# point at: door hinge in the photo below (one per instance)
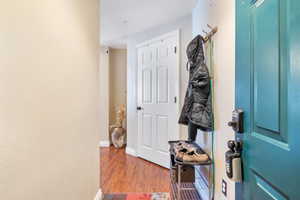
(175, 99)
(175, 49)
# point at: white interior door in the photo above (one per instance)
(158, 98)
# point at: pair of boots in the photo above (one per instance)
(188, 152)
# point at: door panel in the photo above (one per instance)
(147, 85)
(264, 68)
(147, 130)
(157, 72)
(265, 39)
(162, 133)
(266, 191)
(162, 84)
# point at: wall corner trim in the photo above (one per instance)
(99, 195)
(131, 151)
(104, 143)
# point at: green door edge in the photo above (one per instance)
(242, 73)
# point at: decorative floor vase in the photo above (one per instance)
(118, 137)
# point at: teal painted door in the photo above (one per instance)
(268, 89)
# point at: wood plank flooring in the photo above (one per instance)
(122, 173)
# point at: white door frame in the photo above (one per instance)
(177, 34)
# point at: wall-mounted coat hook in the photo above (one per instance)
(210, 34)
(209, 26)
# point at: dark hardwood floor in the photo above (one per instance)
(122, 173)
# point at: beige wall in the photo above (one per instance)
(104, 93)
(221, 14)
(118, 81)
(49, 124)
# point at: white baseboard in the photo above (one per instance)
(131, 151)
(98, 195)
(104, 144)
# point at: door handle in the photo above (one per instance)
(237, 121)
(139, 108)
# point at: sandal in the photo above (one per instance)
(180, 154)
(193, 156)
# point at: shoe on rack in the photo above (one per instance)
(183, 147)
(180, 153)
(193, 156)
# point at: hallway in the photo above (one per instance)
(122, 173)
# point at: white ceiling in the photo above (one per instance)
(121, 18)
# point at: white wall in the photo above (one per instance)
(118, 81)
(185, 25)
(221, 14)
(49, 108)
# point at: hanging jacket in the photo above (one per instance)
(197, 108)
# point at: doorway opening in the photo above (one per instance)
(142, 59)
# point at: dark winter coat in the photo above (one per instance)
(197, 108)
